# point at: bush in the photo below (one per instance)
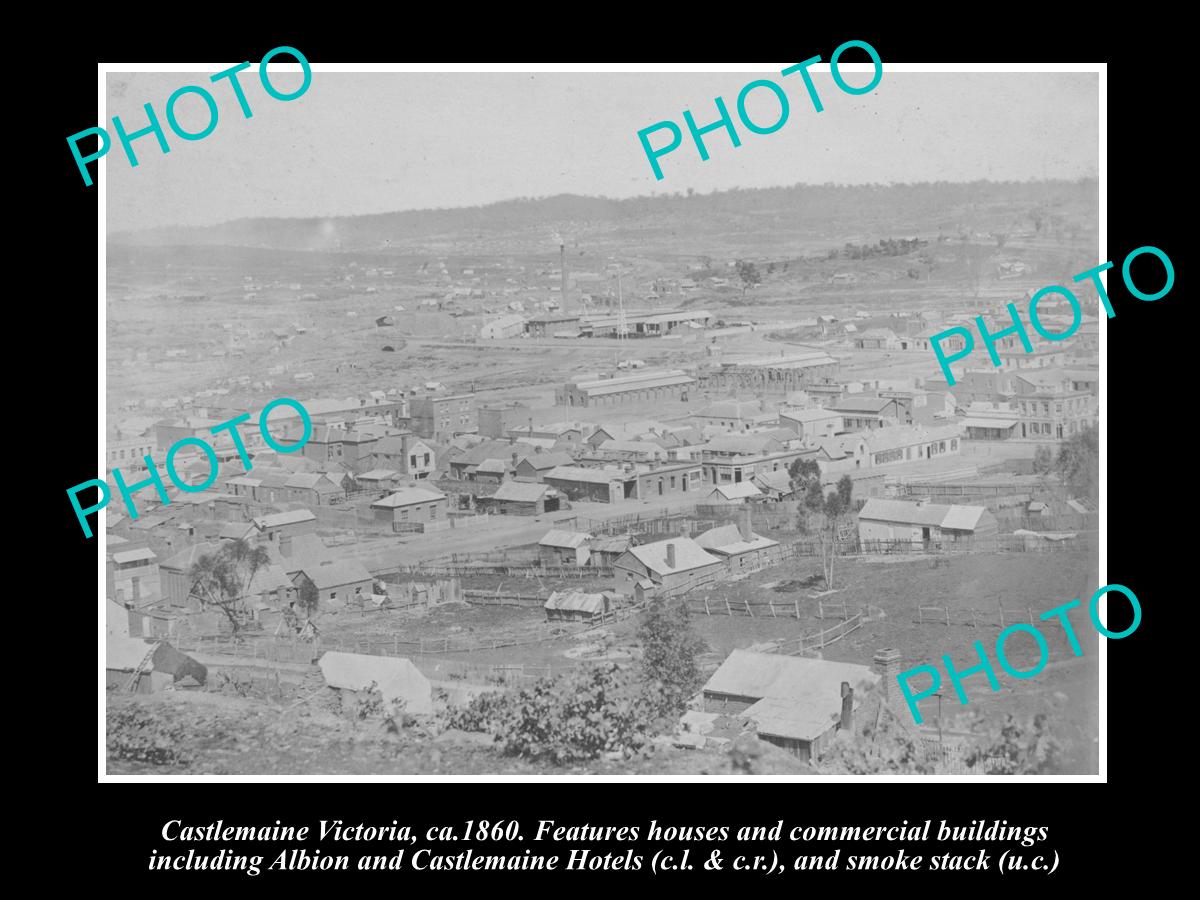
(572, 718)
(1019, 748)
(134, 734)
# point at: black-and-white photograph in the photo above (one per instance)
(602, 423)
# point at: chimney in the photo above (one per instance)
(847, 723)
(670, 556)
(744, 526)
(285, 545)
(887, 664)
(514, 458)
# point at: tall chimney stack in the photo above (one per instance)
(887, 664)
(847, 723)
(562, 265)
(670, 556)
(744, 526)
(285, 545)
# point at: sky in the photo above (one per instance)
(381, 142)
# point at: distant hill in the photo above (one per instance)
(721, 222)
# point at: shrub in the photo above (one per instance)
(136, 735)
(575, 717)
(1015, 747)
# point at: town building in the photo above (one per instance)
(411, 505)
(810, 424)
(613, 391)
(904, 443)
(442, 416)
(787, 372)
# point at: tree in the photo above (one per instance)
(308, 598)
(1043, 460)
(1078, 463)
(669, 650)
(749, 274)
(221, 579)
(832, 507)
(803, 471)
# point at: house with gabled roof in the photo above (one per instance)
(337, 583)
(676, 564)
(794, 702)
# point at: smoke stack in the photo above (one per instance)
(670, 556)
(744, 526)
(285, 545)
(562, 261)
(887, 664)
(847, 722)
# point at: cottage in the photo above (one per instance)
(922, 523)
(410, 505)
(336, 583)
(135, 575)
(380, 480)
(775, 485)
(399, 682)
(796, 703)
(314, 489)
(518, 498)
(743, 550)
(607, 549)
(534, 466)
(876, 339)
(564, 548)
(676, 564)
(578, 606)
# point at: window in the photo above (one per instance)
(404, 515)
(672, 482)
(426, 459)
(954, 443)
(432, 511)
(942, 447)
(412, 460)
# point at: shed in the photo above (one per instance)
(523, 499)
(736, 492)
(564, 548)
(398, 680)
(578, 606)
